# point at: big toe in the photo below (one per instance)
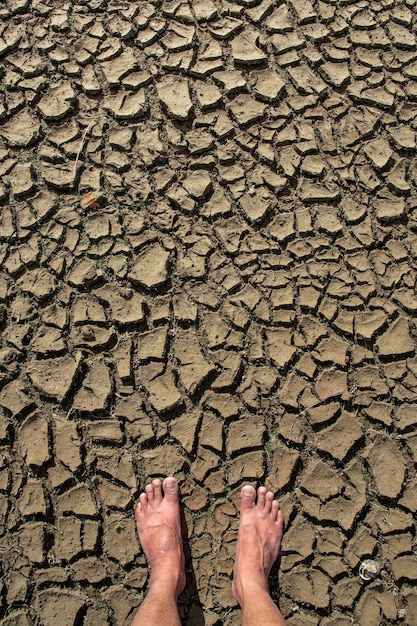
(247, 497)
(170, 486)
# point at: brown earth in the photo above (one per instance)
(234, 301)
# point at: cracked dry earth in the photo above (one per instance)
(235, 301)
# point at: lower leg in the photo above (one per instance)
(259, 540)
(157, 609)
(159, 529)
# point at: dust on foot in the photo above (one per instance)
(159, 529)
(259, 540)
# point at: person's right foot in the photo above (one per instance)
(259, 540)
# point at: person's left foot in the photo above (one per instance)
(159, 528)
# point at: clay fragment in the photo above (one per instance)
(22, 130)
(33, 440)
(194, 369)
(58, 604)
(96, 388)
(244, 48)
(396, 340)
(54, 377)
(151, 267)
(387, 466)
(58, 101)
(174, 94)
(163, 393)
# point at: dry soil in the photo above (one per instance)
(208, 249)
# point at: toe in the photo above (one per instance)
(141, 505)
(157, 489)
(138, 510)
(269, 497)
(170, 487)
(274, 510)
(150, 493)
(247, 497)
(261, 498)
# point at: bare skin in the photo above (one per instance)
(159, 528)
(258, 544)
(259, 539)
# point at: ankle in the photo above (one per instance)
(168, 580)
(249, 588)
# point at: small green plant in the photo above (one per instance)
(119, 527)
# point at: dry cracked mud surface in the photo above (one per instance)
(208, 249)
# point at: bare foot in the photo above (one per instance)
(159, 528)
(258, 543)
